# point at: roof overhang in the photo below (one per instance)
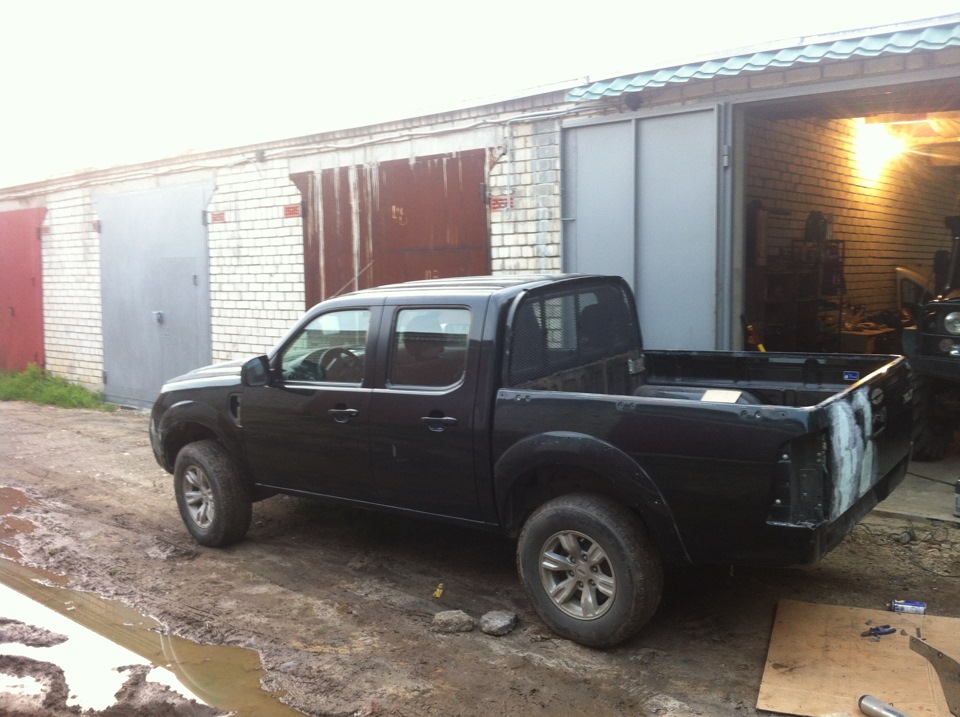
(900, 41)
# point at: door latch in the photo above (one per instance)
(438, 423)
(158, 317)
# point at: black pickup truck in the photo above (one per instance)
(527, 405)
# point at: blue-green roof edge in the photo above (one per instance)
(935, 37)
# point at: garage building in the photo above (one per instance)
(744, 188)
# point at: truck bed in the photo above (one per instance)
(759, 458)
(774, 379)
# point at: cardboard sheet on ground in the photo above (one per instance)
(818, 663)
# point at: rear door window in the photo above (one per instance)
(429, 347)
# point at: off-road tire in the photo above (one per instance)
(214, 502)
(932, 430)
(615, 551)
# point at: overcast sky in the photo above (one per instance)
(98, 83)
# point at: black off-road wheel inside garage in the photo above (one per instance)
(933, 428)
(589, 569)
(214, 503)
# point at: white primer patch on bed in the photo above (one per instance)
(852, 453)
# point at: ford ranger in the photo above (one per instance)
(528, 405)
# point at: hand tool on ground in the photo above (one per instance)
(878, 630)
(875, 707)
(947, 669)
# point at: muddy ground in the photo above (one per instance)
(339, 602)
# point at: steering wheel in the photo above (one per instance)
(340, 364)
(309, 367)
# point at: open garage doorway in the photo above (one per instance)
(837, 190)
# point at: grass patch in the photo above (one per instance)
(39, 386)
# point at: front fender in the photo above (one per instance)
(186, 421)
(579, 450)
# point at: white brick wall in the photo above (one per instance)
(256, 259)
(525, 200)
(73, 331)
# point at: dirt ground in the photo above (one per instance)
(338, 602)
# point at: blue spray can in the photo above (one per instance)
(912, 606)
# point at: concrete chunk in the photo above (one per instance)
(498, 622)
(452, 621)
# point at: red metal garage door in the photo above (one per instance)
(395, 221)
(21, 289)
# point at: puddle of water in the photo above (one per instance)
(12, 500)
(224, 677)
(92, 665)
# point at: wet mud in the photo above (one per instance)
(336, 604)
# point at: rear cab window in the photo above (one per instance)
(575, 327)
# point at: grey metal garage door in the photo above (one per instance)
(156, 290)
(641, 199)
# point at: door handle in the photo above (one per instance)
(234, 408)
(438, 423)
(342, 415)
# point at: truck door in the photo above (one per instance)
(307, 430)
(422, 410)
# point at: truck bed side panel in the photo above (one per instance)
(713, 464)
(746, 483)
(870, 432)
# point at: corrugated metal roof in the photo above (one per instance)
(902, 41)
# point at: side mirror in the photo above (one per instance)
(255, 372)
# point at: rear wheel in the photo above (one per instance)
(214, 503)
(589, 569)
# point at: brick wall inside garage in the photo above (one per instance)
(256, 259)
(73, 331)
(801, 165)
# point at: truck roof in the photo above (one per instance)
(471, 284)
(501, 289)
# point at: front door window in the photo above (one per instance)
(330, 349)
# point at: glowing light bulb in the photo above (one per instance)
(876, 146)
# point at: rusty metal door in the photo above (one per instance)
(306, 182)
(21, 289)
(156, 288)
(400, 220)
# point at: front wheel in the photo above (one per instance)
(589, 569)
(214, 503)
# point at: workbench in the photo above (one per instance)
(864, 341)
